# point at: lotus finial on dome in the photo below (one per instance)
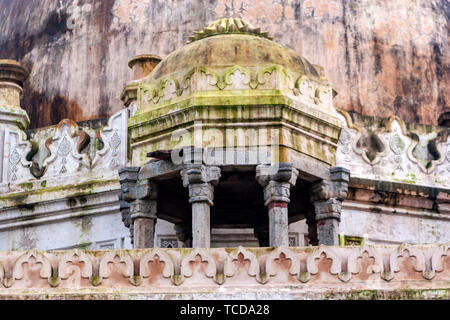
(229, 26)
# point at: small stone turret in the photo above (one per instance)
(12, 76)
(141, 66)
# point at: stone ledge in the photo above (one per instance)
(248, 294)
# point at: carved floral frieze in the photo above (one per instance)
(204, 79)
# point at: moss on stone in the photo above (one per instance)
(81, 189)
(26, 185)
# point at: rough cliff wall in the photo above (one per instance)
(384, 57)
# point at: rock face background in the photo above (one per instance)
(384, 57)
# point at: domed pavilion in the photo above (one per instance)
(233, 130)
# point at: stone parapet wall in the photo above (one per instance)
(404, 271)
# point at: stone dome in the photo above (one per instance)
(232, 42)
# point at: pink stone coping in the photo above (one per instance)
(180, 271)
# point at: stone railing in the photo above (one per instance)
(404, 271)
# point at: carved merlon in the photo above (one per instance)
(63, 153)
(174, 271)
(390, 149)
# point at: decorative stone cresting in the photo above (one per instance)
(229, 26)
(71, 150)
(389, 151)
(193, 270)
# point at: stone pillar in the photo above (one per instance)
(277, 183)
(312, 226)
(142, 195)
(126, 216)
(184, 234)
(200, 180)
(327, 197)
(143, 219)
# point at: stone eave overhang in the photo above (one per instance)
(143, 123)
(399, 187)
(33, 192)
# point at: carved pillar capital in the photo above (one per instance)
(277, 181)
(143, 219)
(200, 180)
(201, 192)
(128, 179)
(327, 197)
(143, 208)
(133, 188)
(336, 187)
(199, 173)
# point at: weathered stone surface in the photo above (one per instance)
(381, 56)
